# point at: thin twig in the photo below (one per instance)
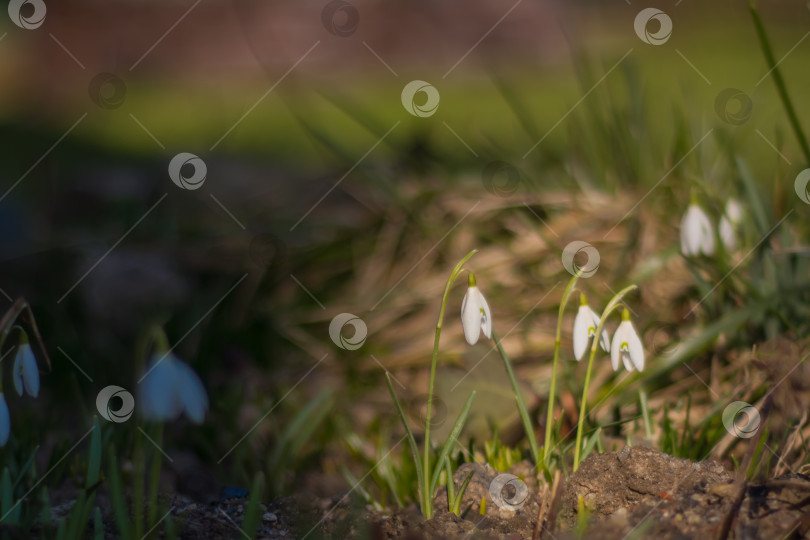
(541, 512)
(741, 483)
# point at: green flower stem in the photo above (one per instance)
(553, 389)
(521, 405)
(139, 466)
(614, 304)
(781, 88)
(427, 496)
(154, 479)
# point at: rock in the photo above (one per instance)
(270, 516)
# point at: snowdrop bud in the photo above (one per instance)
(475, 315)
(585, 325)
(25, 373)
(5, 420)
(697, 234)
(626, 346)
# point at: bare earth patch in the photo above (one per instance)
(637, 492)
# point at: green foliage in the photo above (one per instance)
(253, 512)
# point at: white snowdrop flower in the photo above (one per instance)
(728, 224)
(169, 388)
(25, 373)
(5, 420)
(697, 234)
(627, 346)
(475, 315)
(585, 325)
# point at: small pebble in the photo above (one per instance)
(269, 516)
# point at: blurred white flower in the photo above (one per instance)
(728, 224)
(627, 346)
(585, 325)
(697, 234)
(169, 388)
(5, 421)
(475, 315)
(25, 372)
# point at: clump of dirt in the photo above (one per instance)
(610, 481)
(640, 490)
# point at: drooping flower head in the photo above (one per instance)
(585, 325)
(729, 222)
(697, 234)
(475, 315)
(626, 346)
(25, 372)
(169, 388)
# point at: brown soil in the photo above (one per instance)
(637, 492)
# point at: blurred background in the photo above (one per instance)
(324, 195)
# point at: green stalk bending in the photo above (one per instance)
(521, 405)
(614, 303)
(553, 389)
(427, 495)
(781, 88)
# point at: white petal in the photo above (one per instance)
(636, 350)
(604, 340)
(697, 234)
(734, 211)
(486, 320)
(615, 347)
(471, 315)
(582, 322)
(192, 392)
(5, 421)
(157, 396)
(16, 372)
(727, 234)
(689, 242)
(30, 373)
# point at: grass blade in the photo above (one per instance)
(451, 439)
(411, 440)
(250, 525)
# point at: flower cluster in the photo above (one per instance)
(626, 347)
(697, 232)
